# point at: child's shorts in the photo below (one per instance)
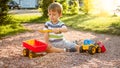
(63, 44)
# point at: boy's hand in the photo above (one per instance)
(56, 30)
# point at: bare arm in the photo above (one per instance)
(46, 37)
(59, 30)
(63, 29)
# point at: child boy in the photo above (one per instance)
(55, 39)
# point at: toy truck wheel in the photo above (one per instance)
(25, 52)
(81, 49)
(31, 54)
(98, 50)
(92, 50)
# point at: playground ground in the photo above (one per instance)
(11, 51)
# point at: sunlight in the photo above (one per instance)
(107, 5)
(104, 7)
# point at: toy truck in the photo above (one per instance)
(33, 48)
(90, 47)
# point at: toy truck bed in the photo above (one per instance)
(35, 45)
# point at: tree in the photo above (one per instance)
(3, 11)
(75, 7)
(86, 6)
(64, 5)
(45, 4)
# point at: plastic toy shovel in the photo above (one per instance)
(45, 31)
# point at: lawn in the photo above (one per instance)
(11, 29)
(108, 24)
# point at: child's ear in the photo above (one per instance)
(60, 14)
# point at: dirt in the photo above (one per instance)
(11, 51)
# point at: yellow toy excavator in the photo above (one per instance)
(90, 46)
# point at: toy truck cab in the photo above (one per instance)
(90, 46)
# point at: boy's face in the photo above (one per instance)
(54, 16)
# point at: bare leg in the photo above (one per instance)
(78, 48)
(52, 49)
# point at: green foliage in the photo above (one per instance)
(64, 5)
(74, 8)
(115, 28)
(29, 18)
(109, 25)
(8, 25)
(85, 8)
(11, 28)
(44, 6)
(3, 11)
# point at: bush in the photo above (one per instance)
(85, 8)
(64, 5)
(74, 7)
(3, 11)
(44, 6)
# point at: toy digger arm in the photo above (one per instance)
(45, 31)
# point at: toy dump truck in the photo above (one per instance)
(33, 48)
(90, 46)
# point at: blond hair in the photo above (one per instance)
(55, 7)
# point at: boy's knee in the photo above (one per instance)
(48, 47)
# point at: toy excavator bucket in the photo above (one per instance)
(45, 31)
(103, 49)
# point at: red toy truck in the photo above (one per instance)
(32, 47)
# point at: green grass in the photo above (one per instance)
(11, 29)
(29, 18)
(14, 26)
(109, 25)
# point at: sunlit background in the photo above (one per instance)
(104, 7)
